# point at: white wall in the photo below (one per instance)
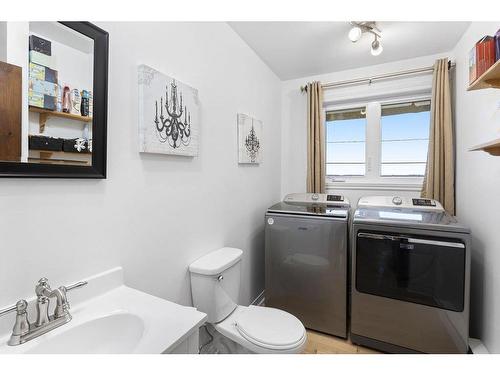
(294, 116)
(154, 214)
(477, 183)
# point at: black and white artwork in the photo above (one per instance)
(168, 114)
(249, 140)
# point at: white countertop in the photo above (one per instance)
(163, 324)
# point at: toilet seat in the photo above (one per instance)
(270, 328)
(264, 330)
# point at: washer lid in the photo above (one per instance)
(333, 211)
(270, 328)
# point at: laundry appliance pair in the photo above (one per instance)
(396, 276)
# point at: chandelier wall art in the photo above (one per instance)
(168, 114)
(249, 139)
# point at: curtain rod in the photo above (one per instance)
(369, 80)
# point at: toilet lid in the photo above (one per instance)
(270, 328)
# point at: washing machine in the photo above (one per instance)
(410, 277)
(306, 260)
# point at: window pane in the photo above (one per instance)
(405, 138)
(404, 151)
(346, 130)
(409, 125)
(403, 169)
(410, 120)
(345, 152)
(345, 137)
(345, 169)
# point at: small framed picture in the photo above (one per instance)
(249, 140)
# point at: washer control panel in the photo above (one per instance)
(308, 198)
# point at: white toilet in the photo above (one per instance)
(215, 285)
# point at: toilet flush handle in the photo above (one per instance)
(220, 278)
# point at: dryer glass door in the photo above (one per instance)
(428, 271)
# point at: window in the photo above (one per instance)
(380, 143)
(345, 142)
(404, 138)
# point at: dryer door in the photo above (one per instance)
(306, 269)
(425, 270)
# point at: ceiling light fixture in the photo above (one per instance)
(355, 34)
(359, 28)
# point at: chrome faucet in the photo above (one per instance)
(24, 331)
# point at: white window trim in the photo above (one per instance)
(372, 180)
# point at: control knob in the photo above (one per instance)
(397, 201)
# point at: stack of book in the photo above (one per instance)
(43, 88)
(483, 55)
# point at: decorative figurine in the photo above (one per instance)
(75, 102)
(65, 99)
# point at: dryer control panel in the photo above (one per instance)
(401, 202)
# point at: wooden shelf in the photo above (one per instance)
(492, 148)
(45, 114)
(488, 80)
(59, 157)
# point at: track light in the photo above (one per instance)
(359, 28)
(376, 47)
(355, 33)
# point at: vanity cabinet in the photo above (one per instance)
(190, 345)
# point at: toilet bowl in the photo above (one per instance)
(264, 330)
(215, 285)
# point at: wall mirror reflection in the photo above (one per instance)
(53, 99)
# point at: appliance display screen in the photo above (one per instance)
(423, 202)
(334, 198)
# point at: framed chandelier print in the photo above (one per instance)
(168, 114)
(249, 140)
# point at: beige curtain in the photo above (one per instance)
(315, 139)
(439, 181)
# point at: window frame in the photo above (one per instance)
(373, 179)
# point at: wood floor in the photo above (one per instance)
(320, 343)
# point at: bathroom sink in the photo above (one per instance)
(110, 317)
(112, 334)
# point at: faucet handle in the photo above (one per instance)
(21, 326)
(20, 307)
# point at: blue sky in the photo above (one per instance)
(393, 128)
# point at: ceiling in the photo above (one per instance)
(300, 49)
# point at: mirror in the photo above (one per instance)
(53, 99)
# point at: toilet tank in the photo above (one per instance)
(215, 283)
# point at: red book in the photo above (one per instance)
(485, 54)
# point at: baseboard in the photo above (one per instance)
(259, 301)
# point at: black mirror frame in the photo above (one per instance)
(99, 119)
